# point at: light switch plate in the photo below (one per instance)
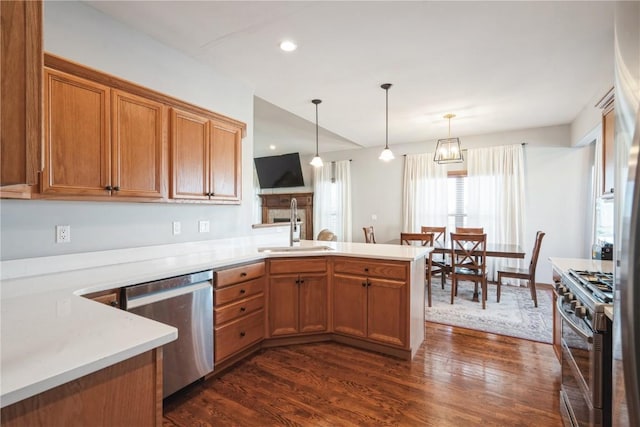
(203, 226)
(176, 227)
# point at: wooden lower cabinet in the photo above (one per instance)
(298, 296)
(128, 393)
(238, 309)
(365, 306)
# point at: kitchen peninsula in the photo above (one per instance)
(70, 337)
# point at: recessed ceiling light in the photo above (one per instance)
(272, 147)
(288, 46)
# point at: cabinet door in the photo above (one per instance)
(189, 156)
(387, 311)
(313, 309)
(350, 305)
(283, 305)
(21, 89)
(226, 162)
(77, 149)
(137, 134)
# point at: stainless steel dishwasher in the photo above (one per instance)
(185, 302)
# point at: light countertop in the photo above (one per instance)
(51, 335)
(563, 264)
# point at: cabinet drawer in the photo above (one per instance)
(239, 334)
(297, 265)
(236, 292)
(372, 268)
(237, 309)
(110, 297)
(231, 276)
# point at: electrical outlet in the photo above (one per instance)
(374, 217)
(203, 226)
(63, 234)
(176, 227)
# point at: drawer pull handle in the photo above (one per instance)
(242, 334)
(243, 274)
(242, 291)
(243, 309)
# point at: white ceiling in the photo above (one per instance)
(498, 66)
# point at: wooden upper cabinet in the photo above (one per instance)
(226, 161)
(77, 150)
(101, 142)
(138, 127)
(20, 103)
(206, 158)
(608, 151)
(189, 156)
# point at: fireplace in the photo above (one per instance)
(277, 208)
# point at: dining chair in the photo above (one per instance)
(369, 236)
(470, 230)
(327, 235)
(469, 262)
(439, 263)
(421, 239)
(525, 274)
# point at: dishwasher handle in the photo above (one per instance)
(135, 291)
(165, 295)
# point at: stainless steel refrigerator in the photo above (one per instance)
(626, 325)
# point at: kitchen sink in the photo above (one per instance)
(314, 248)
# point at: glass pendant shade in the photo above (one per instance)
(386, 155)
(448, 151)
(316, 162)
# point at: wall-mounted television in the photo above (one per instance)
(279, 171)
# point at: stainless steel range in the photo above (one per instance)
(585, 396)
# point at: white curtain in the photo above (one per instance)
(332, 199)
(495, 185)
(424, 193)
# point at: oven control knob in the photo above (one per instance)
(581, 311)
(562, 290)
(569, 297)
(575, 304)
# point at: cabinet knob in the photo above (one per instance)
(114, 303)
(242, 333)
(116, 188)
(364, 284)
(108, 188)
(243, 274)
(368, 282)
(366, 269)
(302, 281)
(243, 309)
(242, 291)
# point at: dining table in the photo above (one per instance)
(496, 250)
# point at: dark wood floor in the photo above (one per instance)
(459, 377)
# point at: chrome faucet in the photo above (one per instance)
(294, 222)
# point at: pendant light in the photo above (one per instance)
(316, 161)
(386, 154)
(448, 149)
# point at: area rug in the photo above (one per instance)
(515, 314)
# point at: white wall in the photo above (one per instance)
(82, 34)
(557, 184)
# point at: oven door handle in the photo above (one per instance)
(575, 327)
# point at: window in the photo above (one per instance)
(457, 198)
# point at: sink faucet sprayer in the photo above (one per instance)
(293, 220)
